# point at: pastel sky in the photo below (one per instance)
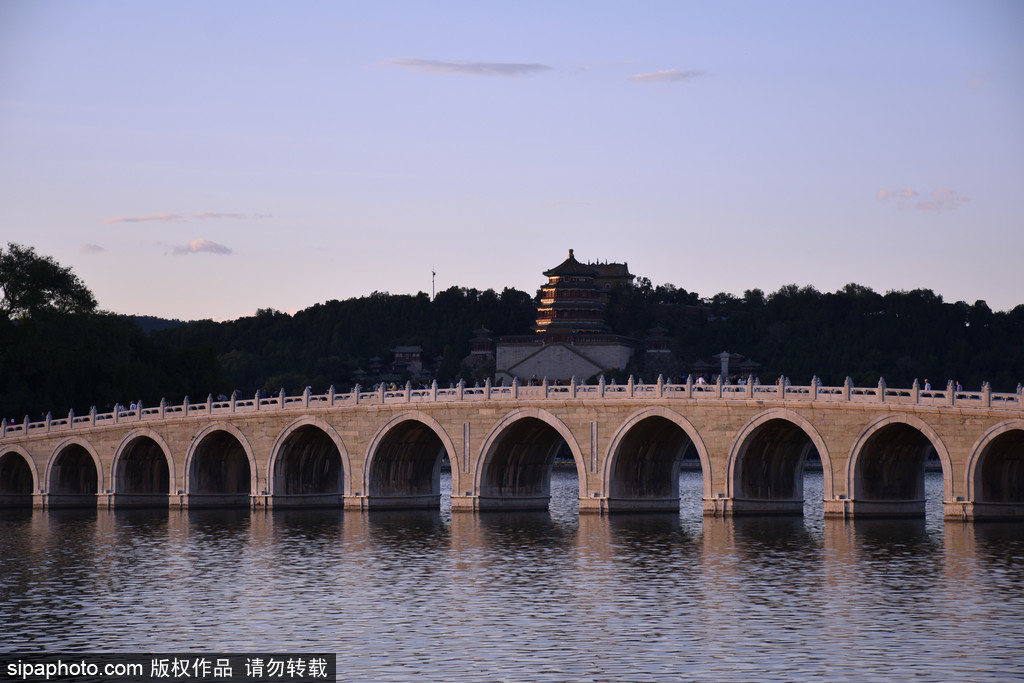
(206, 159)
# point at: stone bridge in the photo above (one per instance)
(386, 449)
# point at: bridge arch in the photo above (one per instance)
(885, 469)
(74, 475)
(765, 467)
(642, 464)
(403, 462)
(19, 478)
(309, 464)
(995, 471)
(514, 470)
(142, 471)
(220, 468)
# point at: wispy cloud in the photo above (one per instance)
(943, 200)
(211, 214)
(91, 249)
(161, 217)
(501, 69)
(202, 245)
(935, 202)
(667, 76)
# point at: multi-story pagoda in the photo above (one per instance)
(570, 302)
(571, 338)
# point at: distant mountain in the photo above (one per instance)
(151, 323)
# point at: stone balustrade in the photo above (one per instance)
(690, 390)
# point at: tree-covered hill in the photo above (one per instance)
(58, 353)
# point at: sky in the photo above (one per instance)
(208, 159)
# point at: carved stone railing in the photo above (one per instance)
(782, 390)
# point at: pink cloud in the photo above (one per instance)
(667, 76)
(164, 217)
(202, 245)
(937, 201)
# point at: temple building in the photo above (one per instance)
(571, 337)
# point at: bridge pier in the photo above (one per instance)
(846, 507)
(298, 500)
(427, 501)
(50, 501)
(736, 507)
(973, 510)
(614, 505)
(214, 500)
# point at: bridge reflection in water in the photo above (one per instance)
(385, 449)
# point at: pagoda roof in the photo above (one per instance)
(570, 266)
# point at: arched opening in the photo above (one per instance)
(647, 465)
(143, 477)
(308, 470)
(889, 476)
(517, 470)
(768, 474)
(999, 476)
(405, 468)
(220, 472)
(74, 481)
(15, 481)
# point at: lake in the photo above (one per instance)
(528, 596)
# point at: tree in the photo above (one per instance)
(30, 283)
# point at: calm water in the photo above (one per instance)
(528, 596)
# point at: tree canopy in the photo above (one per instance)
(59, 353)
(30, 284)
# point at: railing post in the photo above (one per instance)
(950, 393)
(408, 391)
(256, 399)
(433, 389)
(782, 387)
(600, 386)
(915, 391)
(881, 390)
(209, 404)
(138, 410)
(718, 386)
(163, 408)
(515, 387)
(847, 388)
(330, 396)
(661, 386)
(460, 389)
(234, 400)
(815, 383)
(986, 394)
(25, 432)
(49, 419)
(184, 407)
(280, 399)
(305, 396)
(92, 415)
(750, 386)
(71, 418)
(545, 385)
(572, 387)
(487, 388)
(355, 394)
(380, 393)
(629, 387)
(689, 386)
